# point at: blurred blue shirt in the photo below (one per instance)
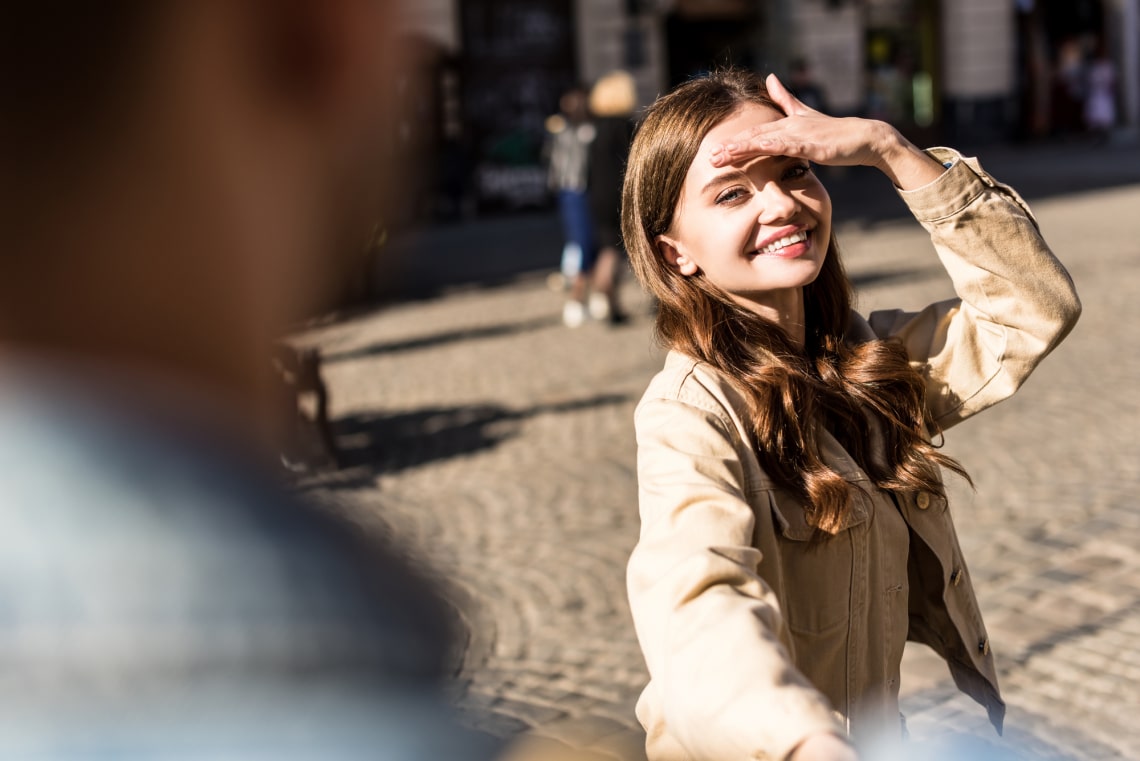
(159, 598)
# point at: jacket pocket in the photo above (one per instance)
(817, 576)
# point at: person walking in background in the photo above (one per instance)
(1100, 93)
(612, 101)
(1070, 87)
(794, 523)
(570, 134)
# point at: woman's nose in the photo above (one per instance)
(778, 204)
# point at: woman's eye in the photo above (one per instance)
(730, 195)
(797, 171)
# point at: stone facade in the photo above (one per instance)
(977, 43)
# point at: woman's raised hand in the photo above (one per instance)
(809, 134)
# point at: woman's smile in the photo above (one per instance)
(786, 244)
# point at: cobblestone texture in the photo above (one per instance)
(499, 446)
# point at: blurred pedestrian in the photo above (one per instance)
(570, 133)
(177, 177)
(1069, 87)
(795, 531)
(1100, 97)
(612, 101)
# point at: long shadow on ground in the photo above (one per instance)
(440, 339)
(374, 443)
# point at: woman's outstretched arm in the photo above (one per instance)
(723, 684)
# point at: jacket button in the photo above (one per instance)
(956, 576)
(984, 646)
(923, 500)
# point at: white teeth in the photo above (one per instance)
(786, 241)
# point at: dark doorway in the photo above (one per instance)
(699, 39)
(518, 58)
(1071, 18)
(1056, 38)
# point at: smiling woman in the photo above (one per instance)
(771, 209)
(794, 522)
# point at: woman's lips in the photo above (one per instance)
(789, 250)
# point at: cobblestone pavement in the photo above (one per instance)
(499, 445)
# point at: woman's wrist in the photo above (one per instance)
(907, 166)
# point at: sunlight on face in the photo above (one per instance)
(758, 229)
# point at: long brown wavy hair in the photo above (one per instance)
(793, 394)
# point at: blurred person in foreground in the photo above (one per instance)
(612, 101)
(795, 531)
(174, 177)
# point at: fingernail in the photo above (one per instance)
(731, 147)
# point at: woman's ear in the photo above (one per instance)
(677, 260)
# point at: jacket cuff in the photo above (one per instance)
(962, 182)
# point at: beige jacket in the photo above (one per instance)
(754, 638)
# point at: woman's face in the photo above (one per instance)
(758, 230)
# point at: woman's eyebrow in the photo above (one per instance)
(723, 179)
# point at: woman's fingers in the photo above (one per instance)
(760, 139)
(743, 144)
(810, 135)
(757, 140)
(790, 135)
(804, 133)
(770, 139)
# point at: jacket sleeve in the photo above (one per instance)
(706, 621)
(1015, 300)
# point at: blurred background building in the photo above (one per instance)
(486, 73)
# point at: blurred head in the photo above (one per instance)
(801, 69)
(181, 175)
(573, 104)
(615, 94)
(698, 234)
